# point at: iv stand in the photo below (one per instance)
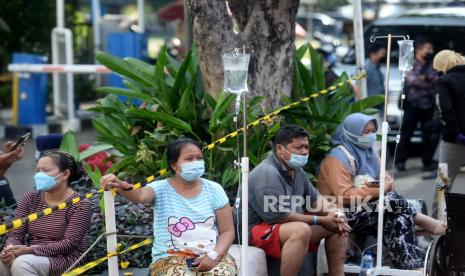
(381, 204)
(245, 193)
(244, 164)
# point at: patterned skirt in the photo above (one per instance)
(177, 266)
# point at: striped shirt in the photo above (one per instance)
(185, 225)
(59, 236)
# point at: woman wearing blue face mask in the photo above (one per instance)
(51, 244)
(193, 225)
(350, 174)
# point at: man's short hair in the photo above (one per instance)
(287, 133)
(420, 41)
(374, 48)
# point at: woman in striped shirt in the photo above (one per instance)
(193, 225)
(51, 244)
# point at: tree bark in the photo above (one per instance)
(266, 25)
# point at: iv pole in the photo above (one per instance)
(244, 172)
(381, 203)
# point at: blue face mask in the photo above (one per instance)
(297, 160)
(44, 182)
(367, 141)
(191, 171)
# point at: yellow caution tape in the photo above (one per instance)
(5, 228)
(84, 268)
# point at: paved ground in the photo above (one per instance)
(409, 183)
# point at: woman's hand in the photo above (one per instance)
(205, 263)
(112, 181)
(6, 256)
(18, 250)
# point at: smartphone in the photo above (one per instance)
(190, 263)
(22, 140)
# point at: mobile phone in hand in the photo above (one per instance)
(22, 140)
(190, 263)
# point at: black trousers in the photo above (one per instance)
(430, 133)
(6, 195)
(399, 228)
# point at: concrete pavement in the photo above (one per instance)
(411, 185)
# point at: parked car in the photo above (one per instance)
(445, 27)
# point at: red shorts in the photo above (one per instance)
(266, 237)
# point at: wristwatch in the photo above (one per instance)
(213, 255)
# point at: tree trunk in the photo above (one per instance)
(266, 25)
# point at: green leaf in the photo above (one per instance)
(141, 65)
(368, 102)
(185, 109)
(222, 104)
(69, 144)
(211, 101)
(117, 127)
(180, 80)
(124, 68)
(93, 150)
(300, 53)
(172, 65)
(160, 117)
(100, 127)
(94, 175)
(317, 68)
(297, 88)
(121, 164)
(125, 92)
(306, 77)
(160, 77)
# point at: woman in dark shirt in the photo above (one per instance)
(51, 244)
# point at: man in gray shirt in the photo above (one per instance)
(280, 196)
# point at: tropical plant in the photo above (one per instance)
(175, 104)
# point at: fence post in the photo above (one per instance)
(110, 227)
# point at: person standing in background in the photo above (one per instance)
(419, 107)
(450, 100)
(375, 79)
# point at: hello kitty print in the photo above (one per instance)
(192, 237)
